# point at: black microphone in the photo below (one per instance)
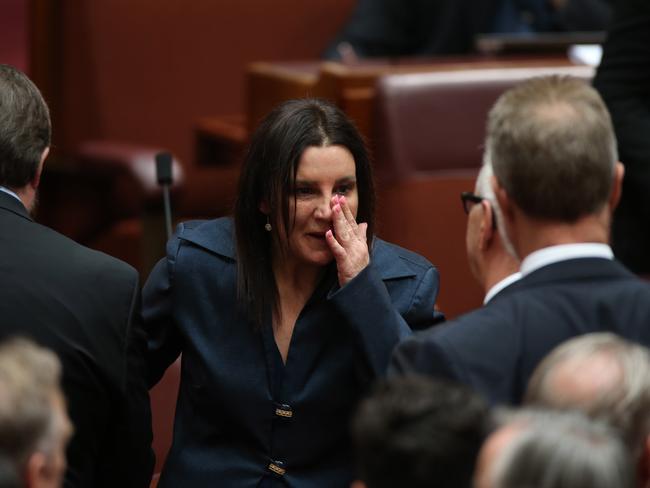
(164, 177)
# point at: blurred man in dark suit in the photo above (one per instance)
(80, 303)
(557, 181)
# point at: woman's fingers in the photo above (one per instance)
(347, 241)
(363, 231)
(337, 250)
(344, 222)
(347, 213)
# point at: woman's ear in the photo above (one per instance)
(265, 208)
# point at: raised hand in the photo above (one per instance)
(348, 242)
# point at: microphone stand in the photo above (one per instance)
(164, 177)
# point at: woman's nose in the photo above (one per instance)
(324, 209)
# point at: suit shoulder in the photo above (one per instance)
(78, 256)
(384, 251)
(482, 323)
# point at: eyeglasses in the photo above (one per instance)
(469, 199)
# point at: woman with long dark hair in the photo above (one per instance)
(285, 315)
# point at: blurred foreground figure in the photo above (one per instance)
(605, 377)
(418, 433)
(553, 450)
(34, 425)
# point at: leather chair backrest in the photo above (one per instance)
(430, 122)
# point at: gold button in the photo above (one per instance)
(277, 469)
(283, 410)
(280, 412)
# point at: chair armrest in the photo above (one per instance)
(130, 170)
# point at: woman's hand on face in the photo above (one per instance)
(348, 242)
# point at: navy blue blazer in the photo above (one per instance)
(495, 349)
(242, 416)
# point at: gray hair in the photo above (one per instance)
(29, 379)
(622, 399)
(485, 190)
(553, 148)
(562, 450)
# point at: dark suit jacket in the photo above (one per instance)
(495, 349)
(239, 409)
(82, 304)
(623, 79)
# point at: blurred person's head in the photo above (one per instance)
(605, 377)
(302, 153)
(489, 252)
(415, 432)
(34, 425)
(553, 450)
(553, 152)
(25, 133)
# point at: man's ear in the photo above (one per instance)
(617, 186)
(35, 470)
(486, 230)
(39, 171)
(502, 199)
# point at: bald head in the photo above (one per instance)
(583, 380)
(603, 376)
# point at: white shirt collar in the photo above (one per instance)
(500, 286)
(9, 192)
(563, 252)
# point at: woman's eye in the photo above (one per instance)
(303, 191)
(342, 190)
